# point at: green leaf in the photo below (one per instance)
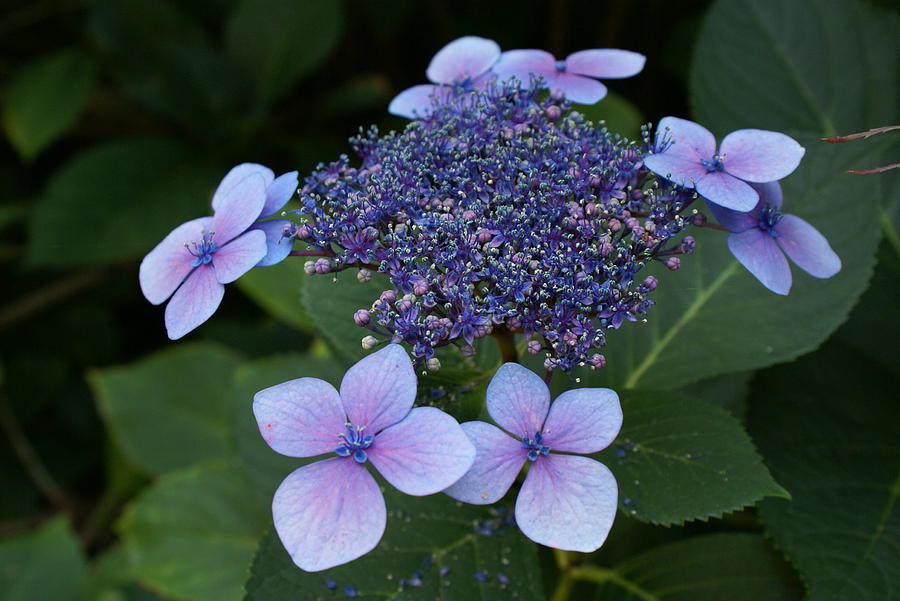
(165, 61)
(423, 535)
(828, 427)
(111, 578)
(44, 565)
(277, 290)
(193, 533)
(677, 459)
(823, 66)
(117, 201)
(728, 391)
(617, 114)
(276, 43)
(45, 98)
(737, 567)
(332, 299)
(171, 409)
(712, 301)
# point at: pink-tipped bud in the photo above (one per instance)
(362, 317)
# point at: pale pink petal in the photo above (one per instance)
(607, 63)
(583, 420)
(675, 167)
(238, 208)
(522, 64)
(690, 140)
(578, 89)
(416, 102)
(328, 513)
(166, 266)
(194, 302)
(423, 454)
(239, 256)
(498, 460)
(277, 246)
(236, 175)
(757, 251)
(757, 155)
(518, 400)
(730, 192)
(300, 418)
(807, 247)
(279, 192)
(380, 389)
(567, 502)
(467, 57)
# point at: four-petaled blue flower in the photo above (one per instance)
(757, 236)
(465, 62)
(686, 154)
(199, 257)
(566, 501)
(574, 76)
(332, 511)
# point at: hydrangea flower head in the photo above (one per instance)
(500, 210)
(687, 155)
(330, 512)
(575, 76)
(567, 501)
(465, 62)
(761, 238)
(199, 257)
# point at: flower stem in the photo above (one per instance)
(29, 458)
(310, 253)
(507, 345)
(548, 377)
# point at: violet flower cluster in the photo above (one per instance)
(502, 210)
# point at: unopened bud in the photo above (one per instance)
(433, 364)
(369, 342)
(362, 317)
(363, 276)
(309, 267)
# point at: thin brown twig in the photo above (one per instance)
(44, 297)
(861, 135)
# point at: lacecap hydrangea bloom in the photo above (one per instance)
(199, 257)
(761, 238)
(330, 512)
(499, 211)
(567, 501)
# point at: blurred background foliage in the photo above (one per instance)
(130, 468)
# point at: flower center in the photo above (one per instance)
(560, 66)
(467, 84)
(204, 250)
(768, 218)
(714, 164)
(355, 443)
(535, 446)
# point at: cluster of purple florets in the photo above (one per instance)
(502, 211)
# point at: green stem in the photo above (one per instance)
(29, 458)
(507, 345)
(563, 587)
(603, 575)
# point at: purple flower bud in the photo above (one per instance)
(614, 225)
(388, 296)
(362, 317)
(688, 244)
(632, 223)
(606, 249)
(469, 215)
(672, 263)
(419, 285)
(322, 266)
(467, 351)
(650, 282)
(550, 363)
(698, 219)
(553, 112)
(570, 338)
(534, 347)
(302, 232)
(403, 305)
(484, 236)
(597, 361)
